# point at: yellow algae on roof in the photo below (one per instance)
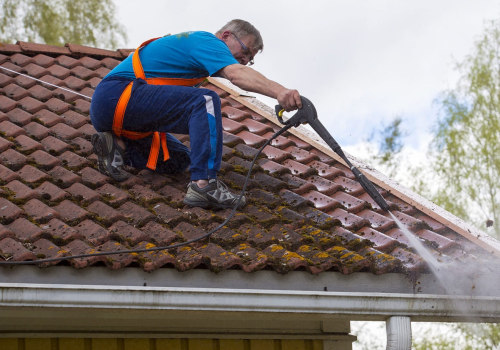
(321, 255)
(276, 247)
(304, 248)
(290, 255)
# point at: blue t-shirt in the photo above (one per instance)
(184, 55)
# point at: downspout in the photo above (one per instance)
(398, 333)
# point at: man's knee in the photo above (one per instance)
(178, 162)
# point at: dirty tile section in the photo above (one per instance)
(305, 210)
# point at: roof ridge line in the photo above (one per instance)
(67, 49)
(429, 208)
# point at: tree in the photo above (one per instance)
(466, 143)
(390, 144)
(459, 336)
(465, 162)
(56, 22)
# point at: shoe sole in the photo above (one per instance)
(100, 148)
(99, 145)
(206, 205)
(211, 205)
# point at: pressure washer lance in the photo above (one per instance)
(307, 114)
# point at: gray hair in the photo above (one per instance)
(243, 28)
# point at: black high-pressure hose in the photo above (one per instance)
(177, 245)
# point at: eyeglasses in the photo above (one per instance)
(245, 49)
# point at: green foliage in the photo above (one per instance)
(56, 22)
(460, 336)
(432, 336)
(390, 142)
(466, 143)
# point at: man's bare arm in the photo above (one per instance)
(249, 79)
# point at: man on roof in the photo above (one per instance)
(155, 92)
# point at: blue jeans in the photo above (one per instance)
(165, 108)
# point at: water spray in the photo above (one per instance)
(308, 115)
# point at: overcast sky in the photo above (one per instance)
(361, 62)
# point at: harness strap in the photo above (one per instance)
(159, 138)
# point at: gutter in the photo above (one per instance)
(377, 306)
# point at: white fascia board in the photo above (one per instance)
(378, 306)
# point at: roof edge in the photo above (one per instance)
(431, 209)
(68, 49)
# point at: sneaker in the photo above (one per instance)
(215, 195)
(109, 156)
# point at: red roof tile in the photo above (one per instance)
(4, 144)
(20, 192)
(306, 211)
(51, 193)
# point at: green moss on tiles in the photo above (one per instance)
(240, 169)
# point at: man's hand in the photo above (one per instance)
(289, 99)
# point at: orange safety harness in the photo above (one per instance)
(121, 106)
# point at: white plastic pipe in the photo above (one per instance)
(398, 333)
